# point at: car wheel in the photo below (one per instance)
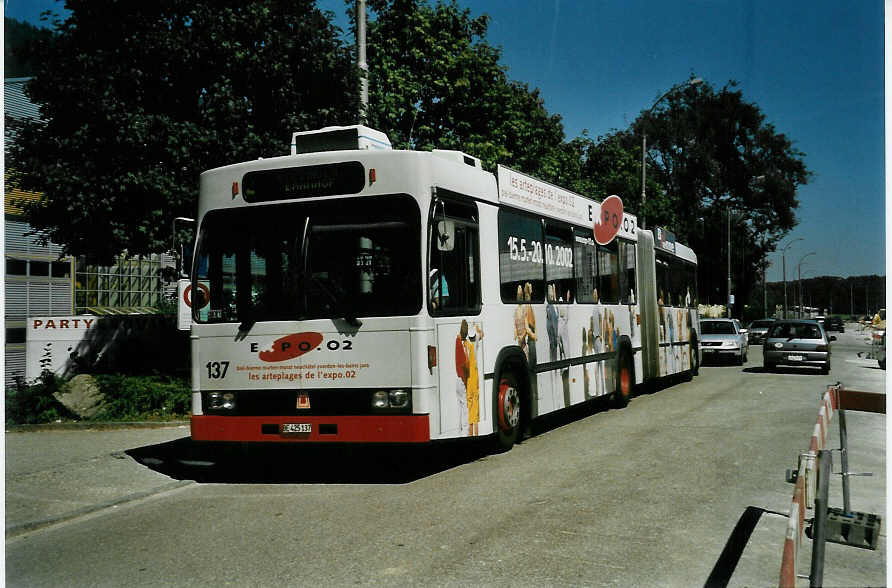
(825, 370)
(770, 367)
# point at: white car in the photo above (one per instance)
(723, 339)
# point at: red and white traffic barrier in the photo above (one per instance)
(804, 491)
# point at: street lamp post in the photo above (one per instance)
(784, 260)
(691, 82)
(799, 271)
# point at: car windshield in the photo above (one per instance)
(334, 259)
(718, 328)
(796, 331)
(760, 324)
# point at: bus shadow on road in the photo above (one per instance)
(184, 459)
(276, 463)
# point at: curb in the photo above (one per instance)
(22, 528)
(95, 426)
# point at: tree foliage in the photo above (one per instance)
(16, 35)
(139, 99)
(436, 83)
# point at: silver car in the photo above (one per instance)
(797, 343)
(723, 339)
(758, 329)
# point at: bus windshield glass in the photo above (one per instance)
(323, 259)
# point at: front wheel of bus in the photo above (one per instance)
(507, 412)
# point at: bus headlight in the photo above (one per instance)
(399, 398)
(396, 398)
(380, 400)
(218, 400)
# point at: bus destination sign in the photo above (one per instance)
(304, 182)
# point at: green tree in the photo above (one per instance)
(139, 98)
(436, 83)
(17, 34)
(715, 156)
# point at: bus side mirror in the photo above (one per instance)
(184, 310)
(445, 235)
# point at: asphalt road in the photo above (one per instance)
(644, 496)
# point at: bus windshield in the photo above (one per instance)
(324, 259)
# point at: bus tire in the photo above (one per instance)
(625, 380)
(508, 411)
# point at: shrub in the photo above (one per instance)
(155, 397)
(34, 403)
(126, 398)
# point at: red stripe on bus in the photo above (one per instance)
(363, 429)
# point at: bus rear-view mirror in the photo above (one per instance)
(445, 235)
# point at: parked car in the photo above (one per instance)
(723, 339)
(834, 323)
(797, 342)
(757, 330)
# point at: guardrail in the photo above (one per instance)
(811, 480)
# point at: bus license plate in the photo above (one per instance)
(794, 357)
(297, 428)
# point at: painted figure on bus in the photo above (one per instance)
(551, 323)
(597, 343)
(531, 326)
(551, 329)
(472, 348)
(670, 350)
(587, 383)
(462, 370)
(564, 346)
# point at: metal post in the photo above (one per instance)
(784, 260)
(643, 172)
(844, 461)
(361, 62)
(729, 262)
(819, 526)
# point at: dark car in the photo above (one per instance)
(797, 343)
(834, 323)
(758, 329)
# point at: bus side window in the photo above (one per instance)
(559, 263)
(585, 264)
(521, 257)
(454, 258)
(608, 273)
(627, 275)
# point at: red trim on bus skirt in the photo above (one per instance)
(356, 429)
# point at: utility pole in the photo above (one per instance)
(362, 64)
(729, 262)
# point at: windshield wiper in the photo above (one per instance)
(338, 302)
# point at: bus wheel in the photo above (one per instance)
(507, 412)
(624, 382)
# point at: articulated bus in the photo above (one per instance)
(350, 292)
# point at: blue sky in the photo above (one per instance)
(815, 68)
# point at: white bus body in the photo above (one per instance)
(376, 295)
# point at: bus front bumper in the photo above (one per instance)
(313, 429)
